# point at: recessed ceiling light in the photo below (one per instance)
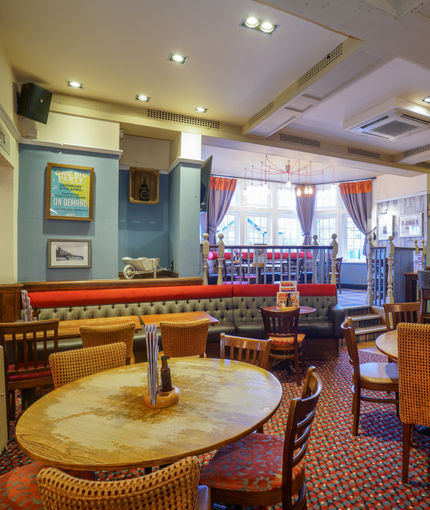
(201, 110)
(426, 99)
(179, 59)
(258, 24)
(141, 97)
(75, 84)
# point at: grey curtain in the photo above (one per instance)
(220, 195)
(357, 198)
(305, 206)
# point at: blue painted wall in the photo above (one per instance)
(143, 229)
(34, 229)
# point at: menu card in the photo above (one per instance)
(152, 351)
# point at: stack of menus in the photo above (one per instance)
(152, 351)
(287, 296)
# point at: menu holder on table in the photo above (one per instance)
(154, 398)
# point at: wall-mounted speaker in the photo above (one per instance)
(34, 102)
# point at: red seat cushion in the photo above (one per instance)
(25, 375)
(288, 340)
(252, 464)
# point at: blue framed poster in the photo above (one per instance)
(69, 194)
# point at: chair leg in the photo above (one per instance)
(297, 366)
(356, 401)
(406, 450)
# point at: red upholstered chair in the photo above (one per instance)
(282, 328)
(25, 347)
(263, 470)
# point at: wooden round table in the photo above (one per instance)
(387, 344)
(101, 423)
(303, 309)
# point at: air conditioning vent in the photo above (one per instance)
(182, 119)
(392, 120)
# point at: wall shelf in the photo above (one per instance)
(139, 176)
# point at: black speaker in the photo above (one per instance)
(34, 102)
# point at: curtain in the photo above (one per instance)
(221, 192)
(357, 198)
(305, 206)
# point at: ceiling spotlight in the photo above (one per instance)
(142, 98)
(426, 99)
(179, 59)
(258, 24)
(201, 110)
(75, 84)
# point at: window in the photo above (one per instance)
(256, 229)
(326, 198)
(228, 227)
(287, 198)
(255, 195)
(288, 231)
(325, 227)
(236, 195)
(354, 242)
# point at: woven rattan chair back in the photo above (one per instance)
(248, 350)
(69, 366)
(102, 335)
(401, 312)
(175, 486)
(26, 364)
(180, 339)
(414, 382)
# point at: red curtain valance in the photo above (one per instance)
(353, 188)
(222, 184)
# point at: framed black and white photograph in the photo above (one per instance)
(69, 253)
(385, 227)
(411, 225)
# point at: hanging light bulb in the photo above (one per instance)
(299, 191)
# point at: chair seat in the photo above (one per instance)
(252, 464)
(28, 376)
(379, 372)
(287, 341)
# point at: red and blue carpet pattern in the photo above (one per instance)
(342, 471)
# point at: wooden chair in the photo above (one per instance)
(68, 366)
(282, 328)
(401, 312)
(102, 335)
(383, 377)
(248, 350)
(414, 383)
(337, 273)
(176, 486)
(25, 346)
(182, 339)
(275, 464)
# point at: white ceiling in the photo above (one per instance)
(120, 49)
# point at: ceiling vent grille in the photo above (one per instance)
(424, 164)
(361, 152)
(322, 64)
(261, 113)
(182, 119)
(299, 140)
(417, 150)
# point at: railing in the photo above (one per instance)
(265, 264)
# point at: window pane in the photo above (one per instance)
(288, 229)
(326, 198)
(286, 198)
(325, 228)
(255, 194)
(354, 242)
(228, 227)
(256, 229)
(236, 195)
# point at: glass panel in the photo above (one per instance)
(256, 229)
(288, 231)
(326, 198)
(354, 241)
(255, 194)
(325, 228)
(228, 227)
(287, 198)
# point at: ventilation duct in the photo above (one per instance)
(414, 156)
(392, 120)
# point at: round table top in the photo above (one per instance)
(100, 422)
(387, 344)
(303, 309)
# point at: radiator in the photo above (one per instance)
(3, 404)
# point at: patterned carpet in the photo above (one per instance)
(342, 471)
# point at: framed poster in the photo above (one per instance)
(69, 253)
(411, 225)
(385, 227)
(69, 193)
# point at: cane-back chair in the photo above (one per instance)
(180, 339)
